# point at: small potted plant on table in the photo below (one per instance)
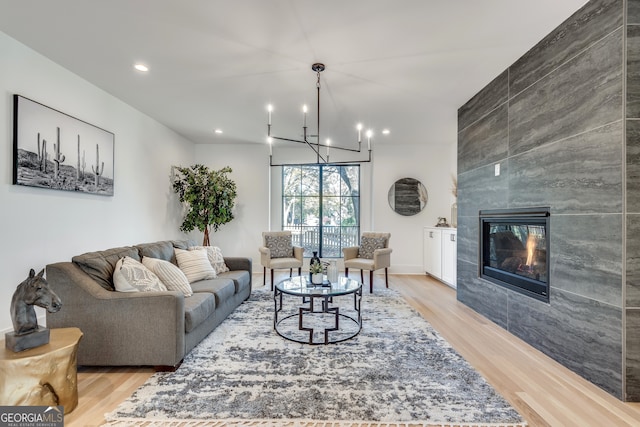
(316, 273)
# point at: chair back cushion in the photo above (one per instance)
(279, 244)
(369, 244)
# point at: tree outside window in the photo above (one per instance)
(321, 207)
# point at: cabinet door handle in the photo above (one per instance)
(453, 237)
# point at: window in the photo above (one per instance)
(321, 207)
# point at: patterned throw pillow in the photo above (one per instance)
(370, 244)
(280, 246)
(170, 275)
(131, 276)
(195, 264)
(216, 259)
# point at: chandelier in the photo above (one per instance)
(321, 149)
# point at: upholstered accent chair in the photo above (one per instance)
(277, 252)
(373, 254)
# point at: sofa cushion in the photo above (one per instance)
(182, 244)
(216, 259)
(132, 276)
(100, 265)
(223, 289)
(170, 275)
(241, 279)
(197, 308)
(160, 250)
(195, 264)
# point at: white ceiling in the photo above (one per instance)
(406, 65)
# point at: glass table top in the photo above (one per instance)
(302, 286)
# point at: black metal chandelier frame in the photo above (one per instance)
(313, 140)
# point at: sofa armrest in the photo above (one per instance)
(120, 329)
(350, 252)
(239, 263)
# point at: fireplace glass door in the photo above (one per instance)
(515, 250)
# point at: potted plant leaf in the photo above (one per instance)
(208, 196)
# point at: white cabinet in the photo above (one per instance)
(440, 253)
(433, 251)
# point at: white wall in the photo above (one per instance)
(433, 164)
(249, 163)
(39, 226)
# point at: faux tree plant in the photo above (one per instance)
(208, 195)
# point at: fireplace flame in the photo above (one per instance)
(531, 247)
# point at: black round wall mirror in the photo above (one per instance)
(407, 196)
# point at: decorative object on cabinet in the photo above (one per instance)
(454, 205)
(38, 164)
(442, 222)
(407, 196)
(440, 253)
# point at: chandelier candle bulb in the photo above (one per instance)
(304, 115)
(269, 109)
(359, 127)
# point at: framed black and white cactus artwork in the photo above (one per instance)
(55, 150)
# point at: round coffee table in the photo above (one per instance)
(332, 325)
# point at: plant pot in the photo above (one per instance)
(316, 278)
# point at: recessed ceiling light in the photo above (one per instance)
(386, 131)
(141, 67)
(218, 131)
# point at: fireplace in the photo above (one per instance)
(514, 250)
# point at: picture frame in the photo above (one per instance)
(54, 150)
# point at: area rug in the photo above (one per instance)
(397, 371)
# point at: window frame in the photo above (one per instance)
(318, 238)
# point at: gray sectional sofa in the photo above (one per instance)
(141, 328)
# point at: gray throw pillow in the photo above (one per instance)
(280, 246)
(370, 244)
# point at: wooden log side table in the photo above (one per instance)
(42, 376)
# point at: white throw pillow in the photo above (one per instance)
(195, 264)
(216, 259)
(131, 276)
(170, 275)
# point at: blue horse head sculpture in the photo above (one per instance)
(33, 291)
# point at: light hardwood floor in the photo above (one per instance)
(543, 391)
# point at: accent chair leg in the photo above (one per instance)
(370, 281)
(299, 271)
(362, 276)
(272, 279)
(346, 272)
(386, 277)
(264, 276)
(290, 272)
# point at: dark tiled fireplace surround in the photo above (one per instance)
(563, 123)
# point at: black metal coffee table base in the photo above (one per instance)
(333, 326)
